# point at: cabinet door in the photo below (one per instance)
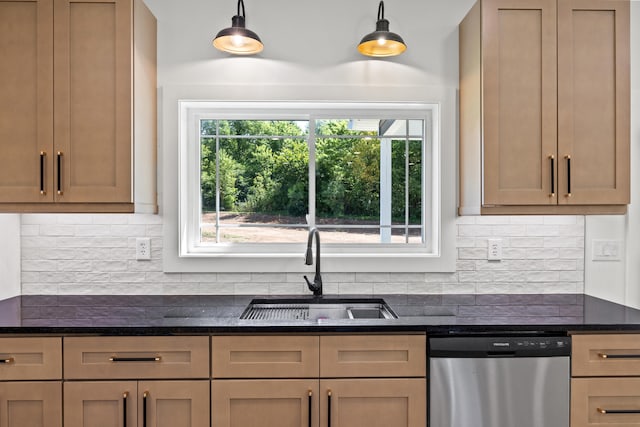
(173, 403)
(97, 404)
(26, 103)
(92, 69)
(593, 101)
(265, 403)
(399, 402)
(32, 404)
(519, 101)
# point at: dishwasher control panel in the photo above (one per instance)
(500, 346)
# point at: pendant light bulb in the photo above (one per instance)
(238, 39)
(382, 42)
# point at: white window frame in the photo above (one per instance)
(438, 256)
(190, 196)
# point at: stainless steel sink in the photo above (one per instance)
(317, 309)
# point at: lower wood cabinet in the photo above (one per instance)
(398, 402)
(31, 404)
(136, 403)
(264, 403)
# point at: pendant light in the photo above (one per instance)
(237, 39)
(382, 42)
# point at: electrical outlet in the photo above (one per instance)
(494, 249)
(143, 248)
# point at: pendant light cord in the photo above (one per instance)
(380, 10)
(241, 3)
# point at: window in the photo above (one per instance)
(253, 177)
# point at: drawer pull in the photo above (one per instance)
(135, 359)
(7, 361)
(329, 408)
(618, 411)
(124, 408)
(310, 397)
(145, 395)
(618, 356)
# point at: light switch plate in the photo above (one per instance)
(607, 250)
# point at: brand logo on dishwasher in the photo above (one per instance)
(501, 344)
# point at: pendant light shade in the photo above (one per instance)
(382, 42)
(237, 39)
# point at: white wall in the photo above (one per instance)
(620, 281)
(9, 255)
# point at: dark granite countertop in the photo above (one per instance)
(190, 314)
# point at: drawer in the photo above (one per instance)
(30, 358)
(373, 356)
(136, 357)
(264, 356)
(594, 402)
(605, 355)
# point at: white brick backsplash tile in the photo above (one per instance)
(475, 276)
(544, 253)
(543, 230)
(509, 230)
(249, 288)
(355, 288)
(492, 220)
(92, 230)
(39, 219)
(128, 230)
(269, 277)
(390, 288)
(527, 242)
(40, 289)
(74, 219)
(38, 265)
(474, 230)
(372, 277)
(526, 219)
(560, 219)
(95, 254)
(57, 230)
(425, 288)
(543, 276)
(509, 276)
(441, 277)
(561, 264)
(472, 253)
(287, 288)
(74, 265)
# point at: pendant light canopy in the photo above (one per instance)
(382, 42)
(237, 39)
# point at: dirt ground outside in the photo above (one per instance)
(271, 230)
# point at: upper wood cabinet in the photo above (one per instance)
(68, 77)
(545, 107)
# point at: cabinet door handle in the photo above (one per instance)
(618, 356)
(553, 175)
(7, 361)
(144, 408)
(329, 408)
(618, 411)
(310, 398)
(124, 408)
(568, 157)
(135, 359)
(43, 156)
(59, 161)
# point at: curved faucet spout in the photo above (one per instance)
(316, 286)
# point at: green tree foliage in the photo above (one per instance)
(267, 172)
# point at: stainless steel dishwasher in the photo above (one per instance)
(499, 381)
